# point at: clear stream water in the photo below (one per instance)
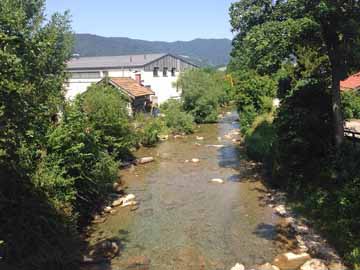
(183, 221)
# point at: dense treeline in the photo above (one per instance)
(59, 159)
(298, 51)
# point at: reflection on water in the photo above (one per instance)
(184, 222)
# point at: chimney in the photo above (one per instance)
(130, 59)
(138, 78)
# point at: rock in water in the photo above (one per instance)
(238, 266)
(217, 180)
(290, 261)
(314, 264)
(145, 160)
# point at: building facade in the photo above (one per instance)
(159, 72)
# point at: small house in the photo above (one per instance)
(139, 96)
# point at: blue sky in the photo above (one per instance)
(163, 20)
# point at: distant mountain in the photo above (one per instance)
(205, 52)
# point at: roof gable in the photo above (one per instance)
(351, 83)
(129, 86)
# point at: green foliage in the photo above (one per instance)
(202, 93)
(176, 119)
(85, 164)
(33, 55)
(306, 47)
(351, 105)
(106, 109)
(304, 137)
(148, 129)
(259, 139)
(254, 96)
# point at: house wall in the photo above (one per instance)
(162, 86)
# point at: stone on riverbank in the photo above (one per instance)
(314, 264)
(195, 160)
(281, 210)
(290, 261)
(199, 138)
(117, 202)
(238, 266)
(217, 180)
(107, 209)
(98, 220)
(267, 266)
(128, 198)
(163, 137)
(144, 160)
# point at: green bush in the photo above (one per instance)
(254, 95)
(351, 104)
(203, 91)
(76, 171)
(148, 129)
(176, 119)
(106, 110)
(259, 139)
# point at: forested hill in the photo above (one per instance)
(213, 52)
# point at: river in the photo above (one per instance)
(184, 221)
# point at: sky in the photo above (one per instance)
(161, 20)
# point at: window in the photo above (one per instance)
(85, 75)
(173, 72)
(165, 70)
(156, 72)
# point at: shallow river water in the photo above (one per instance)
(183, 221)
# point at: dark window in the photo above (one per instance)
(165, 70)
(156, 72)
(173, 72)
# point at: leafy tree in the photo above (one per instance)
(202, 94)
(33, 53)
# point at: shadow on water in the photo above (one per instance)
(266, 231)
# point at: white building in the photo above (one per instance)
(156, 71)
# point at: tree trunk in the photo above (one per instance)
(336, 107)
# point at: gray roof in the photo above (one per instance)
(96, 62)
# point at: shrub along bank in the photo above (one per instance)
(288, 50)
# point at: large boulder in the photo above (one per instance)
(314, 264)
(290, 261)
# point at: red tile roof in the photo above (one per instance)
(351, 83)
(131, 87)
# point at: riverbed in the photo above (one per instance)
(183, 220)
